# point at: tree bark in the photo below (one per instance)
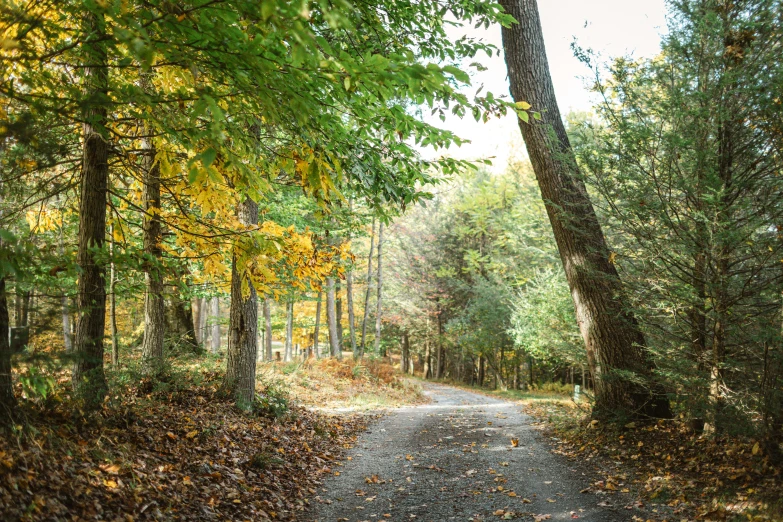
(406, 353)
(7, 398)
(197, 311)
(380, 290)
(289, 330)
(611, 334)
(202, 325)
(154, 309)
(268, 328)
(317, 332)
(64, 305)
(338, 309)
(351, 314)
(427, 373)
(183, 321)
(242, 351)
(215, 342)
(89, 379)
(115, 341)
(367, 292)
(331, 319)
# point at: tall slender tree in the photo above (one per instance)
(289, 331)
(268, 328)
(154, 308)
(89, 379)
(317, 332)
(380, 292)
(368, 289)
(331, 319)
(215, 326)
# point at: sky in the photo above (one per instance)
(609, 27)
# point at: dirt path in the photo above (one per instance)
(448, 460)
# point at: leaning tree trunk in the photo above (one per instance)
(380, 290)
(317, 332)
(154, 309)
(240, 380)
(289, 330)
(268, 328)
(331, 318)
(89, 379)
(367, 292)
(612, 336)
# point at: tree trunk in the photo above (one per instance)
(317, 332)
(64, 305)
(242, 351)
(268, 328)
(331, 319)
(406, 353)
(183, 315)
(338, 309)
(154, 309)
(441, 354)
(89, 379)
(427, 373)
(367, 292)
(7, 398)
(351, 314)
(611, 334)
(202, 325)
(380, 289)
(115, 336)
(215, 344)
(197, 311)
(289, 330)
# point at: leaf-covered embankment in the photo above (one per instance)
(185, 454)
(664, 465)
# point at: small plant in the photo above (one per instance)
(360, 371)
(273, 401)
(36, 384)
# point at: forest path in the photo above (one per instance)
(446, 461)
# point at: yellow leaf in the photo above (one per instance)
(756, 449)
(192, 434)
(514, 443)
(8, 43)
(522, 105)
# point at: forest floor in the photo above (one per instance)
(177, 449)
(663, 466)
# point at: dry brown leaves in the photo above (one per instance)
(189, 455)
(664, 463)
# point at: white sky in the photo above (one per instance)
(609, 27)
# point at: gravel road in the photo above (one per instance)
(454, 459)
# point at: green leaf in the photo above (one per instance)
(208, 157)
